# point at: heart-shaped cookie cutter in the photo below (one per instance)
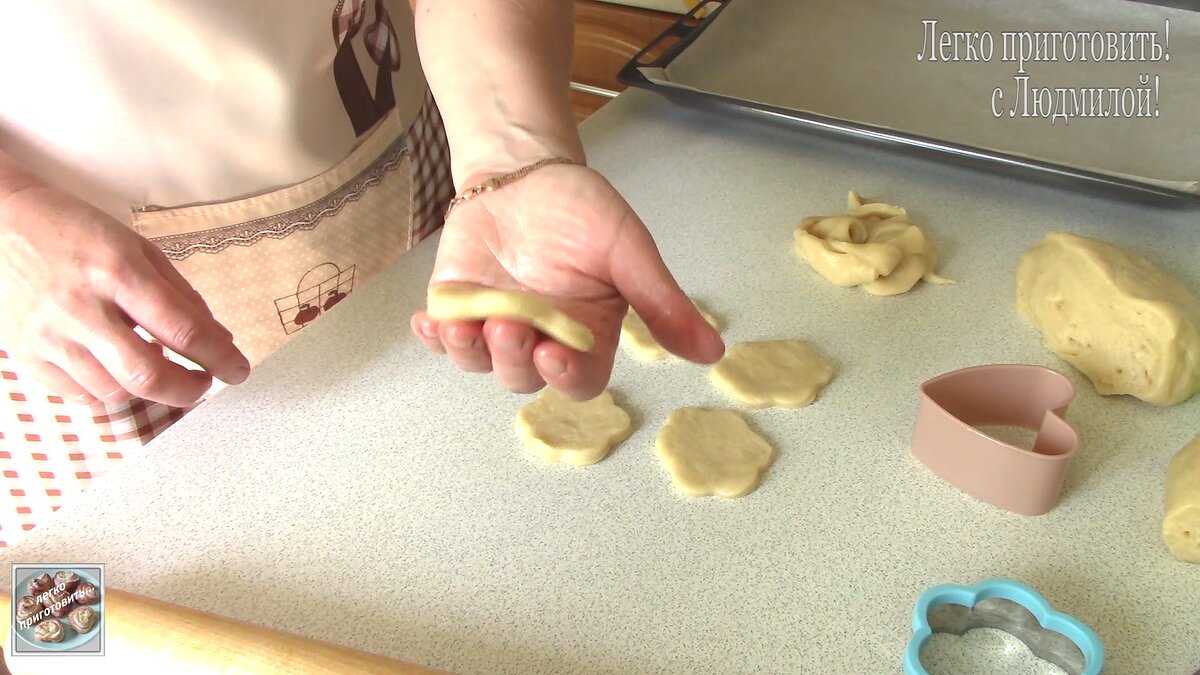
(945, 437)
(1012, 607)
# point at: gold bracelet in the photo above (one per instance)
(500, 181)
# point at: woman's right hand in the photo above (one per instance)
(74, 283)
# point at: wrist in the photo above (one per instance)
(496, 182)
(485, 156)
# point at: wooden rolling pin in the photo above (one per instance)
(143, 635)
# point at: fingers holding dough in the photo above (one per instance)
(575, 375)
(426, 330)
(511, 345)
(465, 345)
(446, 302)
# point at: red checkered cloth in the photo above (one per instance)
(433, 186)
(51, 449)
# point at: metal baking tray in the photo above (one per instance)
(667, 47)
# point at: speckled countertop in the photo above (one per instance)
(359, 490)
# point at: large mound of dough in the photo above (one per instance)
(557, 429)
(467, 302)
(1116, 317)
(712, 452)
(873, 245)
(1181, 524)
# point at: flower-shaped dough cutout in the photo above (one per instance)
(782, 373)
(636, 337)
(712, 452)
(558, 429)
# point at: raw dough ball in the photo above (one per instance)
(558, 429)
(873, 245)
(447, 302)
(1113, 315)
(1181, 524)
(712, 452)
(784, 373)
(636, 337)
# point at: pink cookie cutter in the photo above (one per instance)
(947, 441)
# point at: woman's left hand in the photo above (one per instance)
(565, 234)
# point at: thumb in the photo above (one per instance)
(639, 274)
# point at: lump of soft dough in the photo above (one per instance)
(636, 336)
(1181, 524)
(1112, 314)
(557, 429)
(873, 245)
(467, 302)
(784, 373)
(712, 452)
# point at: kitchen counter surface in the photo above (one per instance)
(357, 489)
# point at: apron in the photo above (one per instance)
(268, 265)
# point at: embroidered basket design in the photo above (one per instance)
(317, 292)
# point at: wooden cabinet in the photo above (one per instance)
(607, 36)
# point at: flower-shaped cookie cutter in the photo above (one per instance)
(1012, 607)
(945, 437)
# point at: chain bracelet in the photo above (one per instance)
(498, 182)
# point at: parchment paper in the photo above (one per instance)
(856, 60)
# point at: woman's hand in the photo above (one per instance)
(563, 233)
(74, 283)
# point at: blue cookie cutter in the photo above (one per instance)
(1012, 607)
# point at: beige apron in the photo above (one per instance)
(268, 265)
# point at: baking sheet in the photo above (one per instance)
(857, 61)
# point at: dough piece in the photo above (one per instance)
(58, 601)
(557, 429)
(783, 373)
(66, 580)
(1120, 320)
(712, 452)
(873, 245)
(40, 584)
(636, 337)
(50, 630)
(447, 302)
(87, 594)
(1181, 524)
(82, 619)
(27, 607)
